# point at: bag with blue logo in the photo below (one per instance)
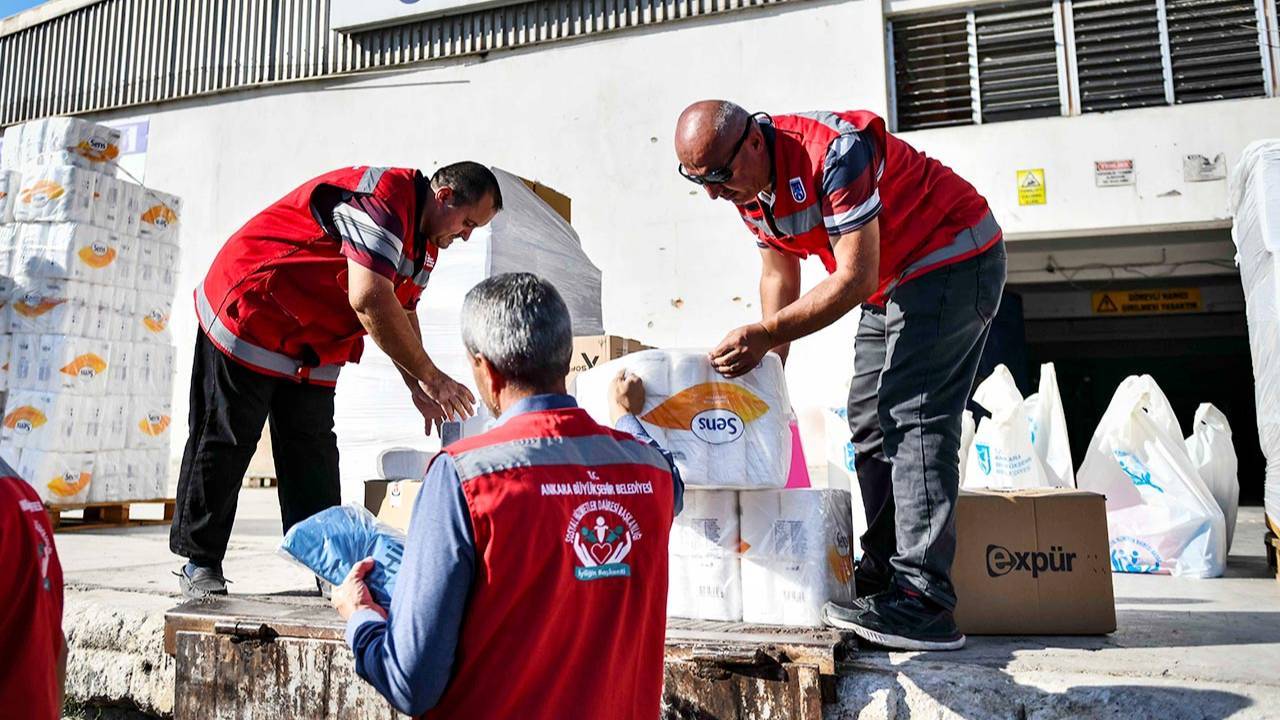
(1003, 455)
(330, 542)
(1161, 516)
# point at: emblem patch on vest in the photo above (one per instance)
(601, 533)
(797, 190)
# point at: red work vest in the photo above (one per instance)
(567, 612)
(275, 298)
(930, 216)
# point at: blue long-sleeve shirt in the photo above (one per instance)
(409, 656)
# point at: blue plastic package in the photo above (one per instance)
(330, 542)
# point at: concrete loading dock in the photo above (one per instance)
(1183, 648)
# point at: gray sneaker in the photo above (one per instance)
(198, 582)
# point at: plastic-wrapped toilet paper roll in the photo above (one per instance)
(60, 478)
(159, 213)
(704, 588)
(732, 433)
(149, 421)
(52, 306)
(73, 364)
(797, 554)
(56, 194)
(117, 411)
(152, 318)
(708, 524)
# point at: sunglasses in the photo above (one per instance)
(724, 174)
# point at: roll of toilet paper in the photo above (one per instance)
(117, 411)
(159, 214)
(63, 141)
(23, 354)
(60, 478)
(731, 433)
(797, 554)
(52, 306)
(704, 587)
(108, 477)
(708, 524)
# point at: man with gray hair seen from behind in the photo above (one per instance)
(534, 581)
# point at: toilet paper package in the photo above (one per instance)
(60, 193)
(116, 412)
(52, 306)
(60, 478)
(108, 477)
(37, 420)
(126, 261)
(156, 483)
(74, 364)
(72, 251)
(704, 587)
(797, 554)
(120, 374)
(10, 184)
(8, 287)
(23, 353)
(704, 581)
(731, 433)
(63, 141)
(158, 215)
(124, 314)
(89, 424)
(149, 419)
(151, 317)
(153, 368)
(109, 207)
(132, 199)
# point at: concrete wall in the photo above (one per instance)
(594, 119)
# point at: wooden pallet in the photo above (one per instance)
(98, 516)
(259, 481)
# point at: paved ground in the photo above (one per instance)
(1184, 648)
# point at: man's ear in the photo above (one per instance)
(444, 195)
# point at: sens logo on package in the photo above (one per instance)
(97, 254)
(42, 193)
(33, 305)
(96, 150)
(154, 424)
(160, 215)
(156, 321)
(715, 412)
(86, 367)
(25, 419)
(69, 483)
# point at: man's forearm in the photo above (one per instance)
(776, 293)
(827, 302)
(409, 380)
(389, 327)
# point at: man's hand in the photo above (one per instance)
(741, 350)
(353, 594)
(626, 395)
(432, 414)
(453, 397)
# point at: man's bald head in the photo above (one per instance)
(707, 131)
(713, 136)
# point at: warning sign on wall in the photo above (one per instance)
(1147, 302)
(1031, 187)
(1113, 173)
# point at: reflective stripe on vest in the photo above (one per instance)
(588, 450)
(800, 221)
(965, 241)
(256, 355)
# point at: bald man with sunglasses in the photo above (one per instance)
(916, 247)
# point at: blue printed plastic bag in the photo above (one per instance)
(330, 542)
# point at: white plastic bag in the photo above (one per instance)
(1214, 456)
(1003, 455)
(968, 428)
(1161, 517)
(1048, 424)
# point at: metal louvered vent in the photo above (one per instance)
(1018, 62)
(1118, 54)
(1213, 46)
(931, 72)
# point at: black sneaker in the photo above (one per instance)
(899, 619)
(197, 582)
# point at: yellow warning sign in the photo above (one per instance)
(1147, 302)
(1031, 187)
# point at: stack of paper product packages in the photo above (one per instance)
(744, 548)
(88, 266)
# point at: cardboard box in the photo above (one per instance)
(1033, 562)
(591, 350)
(392, 500)
(558, 201)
